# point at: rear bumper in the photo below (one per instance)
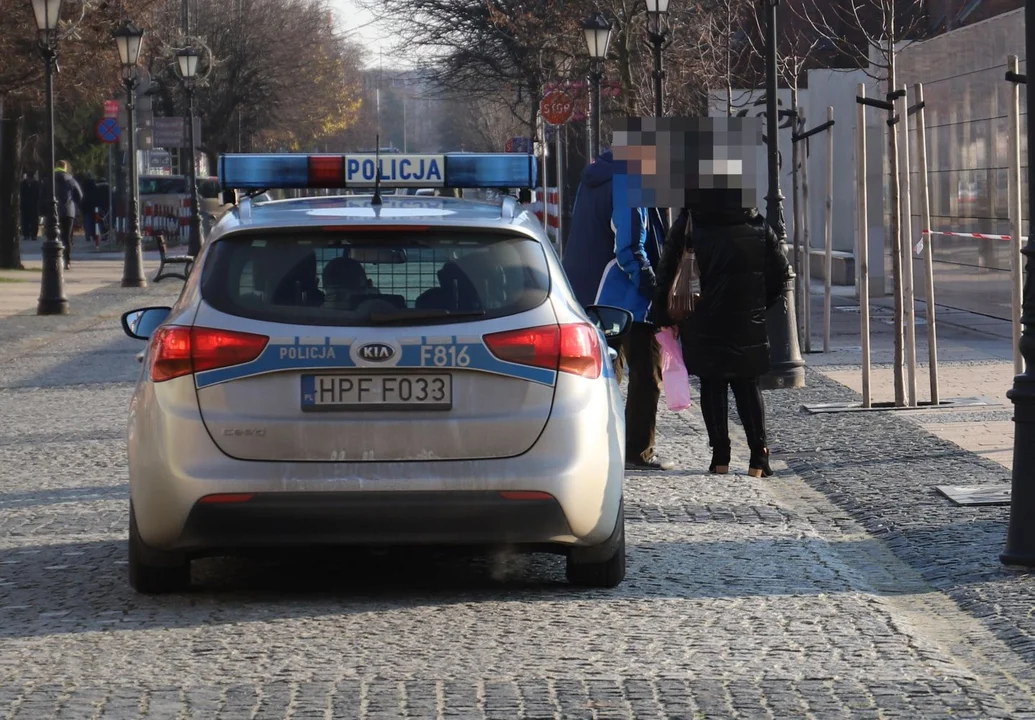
(293, 519)
(174, 463)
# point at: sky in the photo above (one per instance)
(370, 33)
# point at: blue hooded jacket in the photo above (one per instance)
(610, 244)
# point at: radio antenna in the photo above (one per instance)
(376, 200)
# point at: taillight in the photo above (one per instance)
(178, 351)
(569, 348)
(170, 353)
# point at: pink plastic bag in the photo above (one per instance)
(674, 378)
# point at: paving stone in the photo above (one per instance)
(843, 587)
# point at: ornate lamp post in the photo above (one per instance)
(598, 39)
(1020, 538)
(788, 369)
(129, 39)
(52, 300)
(657, 10)
(187, 59)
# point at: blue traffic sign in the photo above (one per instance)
(108, 130)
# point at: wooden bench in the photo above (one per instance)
(186, 260)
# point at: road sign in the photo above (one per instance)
(518, 145)
(111, 108)
(557, 107)
(108, 130)
(171, 132)
(168, 132)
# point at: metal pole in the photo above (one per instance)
(133, 264)
(594, 112)
(829, 235)
(925, 219)
(862, 250)
(546, 207)
(657, 39)
(1020, 537)
(806, 250)
(906, 225)
(111, 191)
(560, 190)
(787, 367)
(796, 205)
(1015, 203)
(52, 300)
(194, 240)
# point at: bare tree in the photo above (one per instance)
(278, 74)
(480, 47)
(89, 70)
(872, 32)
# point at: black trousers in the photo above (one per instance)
(641, 356)
(750, 406)
(66, 236)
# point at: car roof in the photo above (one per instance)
(344, 210)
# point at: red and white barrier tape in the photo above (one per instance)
(978, 236)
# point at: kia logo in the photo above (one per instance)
(376, 352)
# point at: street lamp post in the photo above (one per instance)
(657, 32)
(787, 369)
(129, 39)
(187, 60)
(1020, 537)
(52, 300)
(598, 39)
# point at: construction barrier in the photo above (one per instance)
(552, 221)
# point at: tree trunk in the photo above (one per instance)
(11, 122)
(896, 233)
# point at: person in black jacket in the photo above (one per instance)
(725, 344)
(29, 201)
(69, 199)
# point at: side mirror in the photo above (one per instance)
(141, 324)
(614, 322)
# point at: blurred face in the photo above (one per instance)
(685, 162)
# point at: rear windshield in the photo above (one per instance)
(373, 278)
(165, 185)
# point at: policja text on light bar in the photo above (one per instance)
(459, 170)
(398, 170)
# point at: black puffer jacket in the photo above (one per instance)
(743, 273)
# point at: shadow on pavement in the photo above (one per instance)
(83, 587)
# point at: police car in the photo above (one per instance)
(376, 371)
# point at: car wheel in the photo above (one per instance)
(154, 573)
(604, 573)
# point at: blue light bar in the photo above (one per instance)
(258, 172)
(297, 171)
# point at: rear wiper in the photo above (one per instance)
(385, 318)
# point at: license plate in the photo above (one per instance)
(426, 391)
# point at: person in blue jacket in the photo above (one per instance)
(609, 259)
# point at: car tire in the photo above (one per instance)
(606, 573)
(151, 572)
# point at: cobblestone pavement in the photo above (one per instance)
(852, 593)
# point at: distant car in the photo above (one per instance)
(340, 373)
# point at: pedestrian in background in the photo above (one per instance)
(29, 198)
(609, 260)
(69, 199)
(89, 205)
(725, 343)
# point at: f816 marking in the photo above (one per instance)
(444, 356)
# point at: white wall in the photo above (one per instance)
(751, 103)
(838, 89)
